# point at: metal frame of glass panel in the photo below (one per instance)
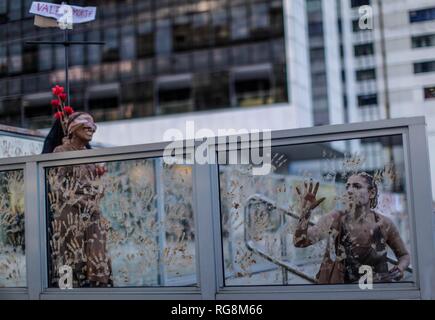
(206, 199)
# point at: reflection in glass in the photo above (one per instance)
(12, 250)
(132, 222)
(278, 228)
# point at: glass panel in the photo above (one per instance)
(363, 215)
(12, 250)
(122, 224)
(19, 145)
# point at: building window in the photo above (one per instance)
(424, 67)
(15, 9)
(30, 59)
(422, 15)
(276, 17)
(220, 26)
(260, 20)
(359, 3)
(355, 25)
(252, 86)
(93, 52)
(76, 52)
(427, 40)
(367, 100)
(363, 49)
(366, 74)
(3, 11)
(145, 39)
(429, 93)
(163, 37)
(3, 61)
(175, 94)
(356, 28)
(104, 108)
(201, 30)
(315, 28)
(128, 43)
(111, 48)
(45, 56)
(314, 5)
(15, 58)
(239, 23)
(211, 90)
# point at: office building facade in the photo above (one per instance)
(389, 69)
(160, 59)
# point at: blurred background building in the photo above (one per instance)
(224, 64)
(162, 60)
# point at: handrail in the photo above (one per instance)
(278, 262)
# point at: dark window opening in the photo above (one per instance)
(111, 47)
(429, 93)
(423, 41)
(30, 59)
(104, 109)
(422, 15)
(175, 100)
(260, 20)
(182, 34)
(424, 67)
(363, 49)
(10, 112)
(367, 74)
(212, 91)
(359, 3)
(252, 92)
(367, 100)
(38, 115)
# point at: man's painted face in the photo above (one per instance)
(85, 133)
(357, 190)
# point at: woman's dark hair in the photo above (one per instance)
(372, 185)
(54, 138)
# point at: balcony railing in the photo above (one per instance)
(150, 229)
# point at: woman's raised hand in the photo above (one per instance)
(308, 196)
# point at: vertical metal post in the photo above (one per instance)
(204, 236)
(66, 64)
(161, 234)
(422, 207)
(32, 231)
